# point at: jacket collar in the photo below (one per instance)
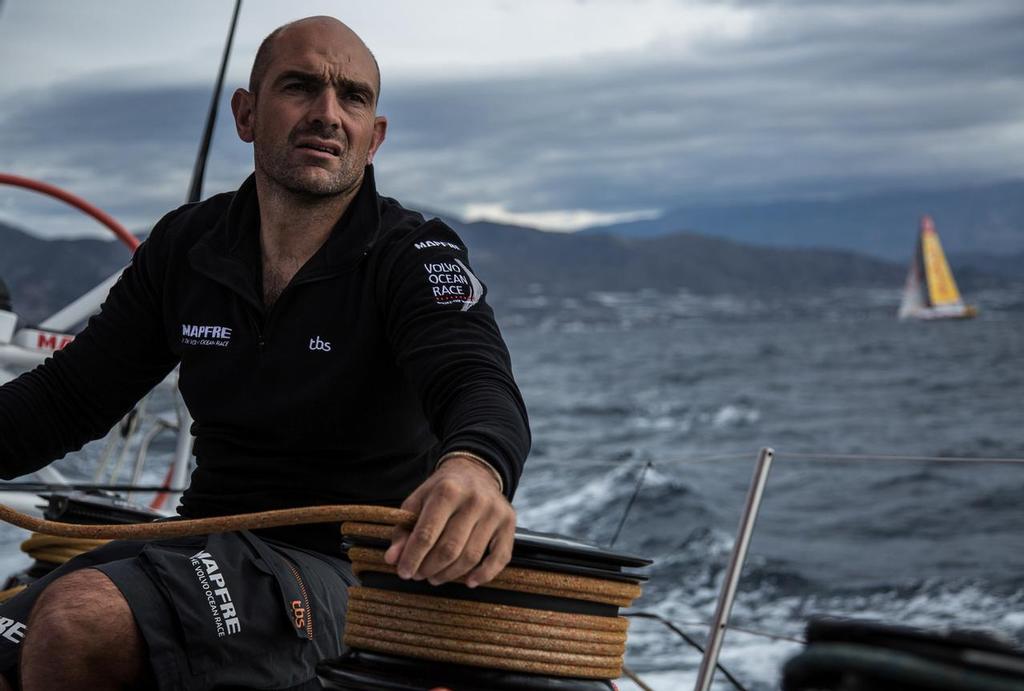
(230, 252)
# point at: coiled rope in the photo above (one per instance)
(423, 626)
(487, 634)
(57, 550)
(53, 550)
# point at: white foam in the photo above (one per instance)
(733, 416)
(562, 513)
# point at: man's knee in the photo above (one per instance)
(82, 611)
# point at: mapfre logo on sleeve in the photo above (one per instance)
(205, 335)
(429, 244)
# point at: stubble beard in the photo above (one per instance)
(308, 181)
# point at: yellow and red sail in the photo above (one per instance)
(931, 291)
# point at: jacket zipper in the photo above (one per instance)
(307, 612)
(255, 323)
(268, 322)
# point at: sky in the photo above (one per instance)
(557, 114)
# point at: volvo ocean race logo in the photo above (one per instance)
(205, 335)
(215, 589)
(453, 283)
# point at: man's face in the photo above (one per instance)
(313, 121)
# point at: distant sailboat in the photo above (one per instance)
(930, 291)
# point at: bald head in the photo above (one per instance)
(319, 25)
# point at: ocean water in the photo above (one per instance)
(690, 388)
(696, 387)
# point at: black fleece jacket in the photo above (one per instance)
(379, 357)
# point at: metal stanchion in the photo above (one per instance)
(732, 574)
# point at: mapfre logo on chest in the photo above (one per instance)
(205, 335)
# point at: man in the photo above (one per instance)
(334, 347)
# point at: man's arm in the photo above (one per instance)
(445, 338)
(83, 390)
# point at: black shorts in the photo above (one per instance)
(227, 610)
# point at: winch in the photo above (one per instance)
(549, 621)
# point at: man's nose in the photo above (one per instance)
(325, 109)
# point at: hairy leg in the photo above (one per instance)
(82, 635)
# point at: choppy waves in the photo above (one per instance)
(684, 389)
(679, 524)
(599, 310)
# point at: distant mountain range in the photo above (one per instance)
(984, 219)
(46, 274)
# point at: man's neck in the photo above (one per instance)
(292, 228)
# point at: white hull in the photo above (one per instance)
(933, 313)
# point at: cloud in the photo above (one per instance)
(129, 151)
(563, 220)
(800, 99)
(824, 104)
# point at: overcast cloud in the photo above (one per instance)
(556, 112)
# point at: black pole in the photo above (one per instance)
(629, 505)
(5, 297)
(195, 192)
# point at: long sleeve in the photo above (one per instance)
(446, 341)
(80, 392)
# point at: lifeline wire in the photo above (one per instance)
(631, 675)
(696, 460)
(33, 487)
(743, 629)
(50, 487)
(682, 634)
(880, 457)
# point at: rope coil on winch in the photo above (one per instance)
(54, 549)
(487, 634)
(51, 550)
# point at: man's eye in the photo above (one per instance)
(356, 97)
(298, 86)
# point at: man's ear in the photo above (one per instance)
(243, 105)
(380, 128)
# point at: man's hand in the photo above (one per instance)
(463, 519)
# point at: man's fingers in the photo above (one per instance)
(399, 535)
(497, 559)
(438, 507)
(451, 546)
(472, 554)
(398, 539)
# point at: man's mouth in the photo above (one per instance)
(320, 145)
